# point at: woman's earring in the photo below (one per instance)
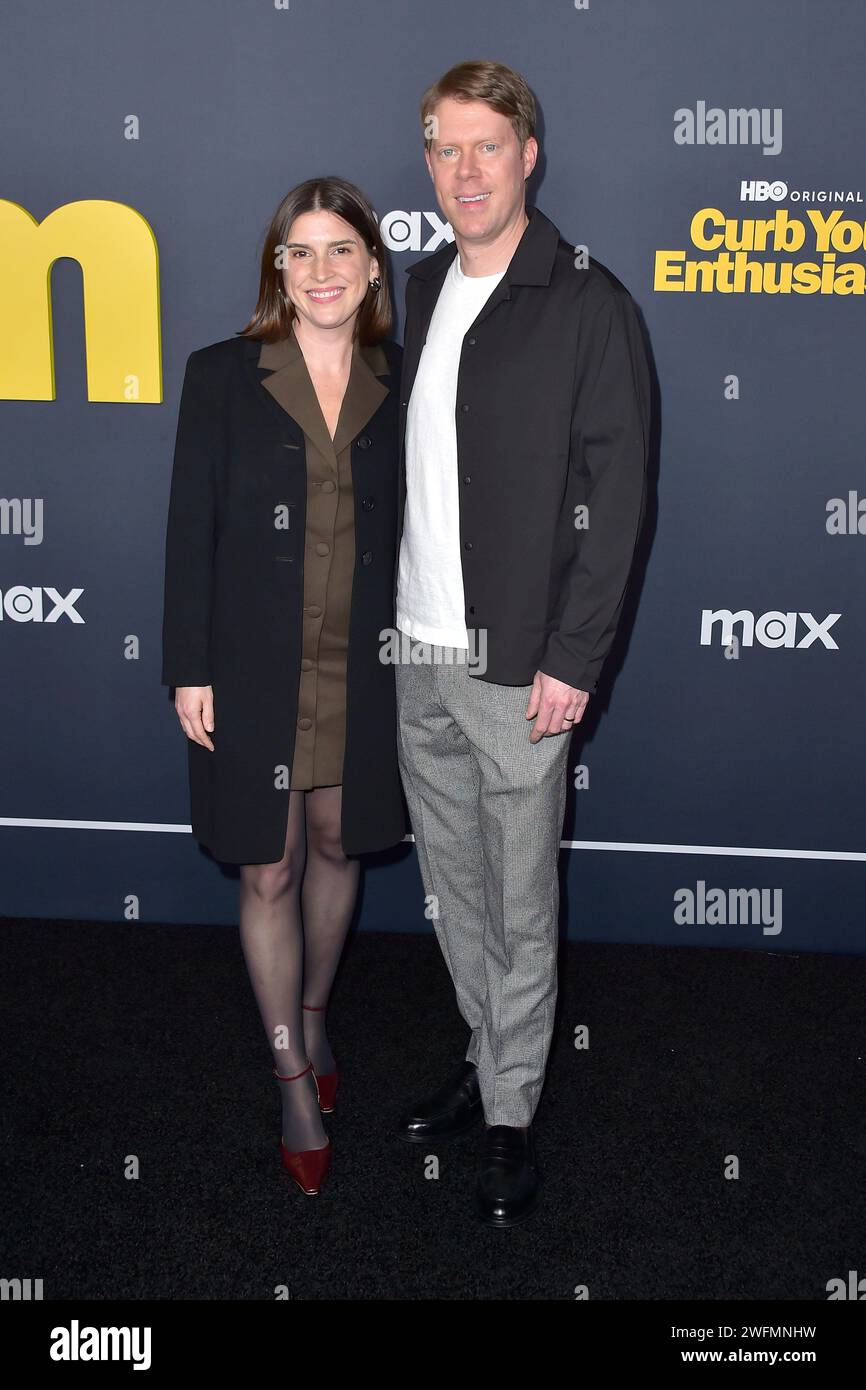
(376, 284)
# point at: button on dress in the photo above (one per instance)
(329, 548)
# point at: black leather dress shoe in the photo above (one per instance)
(452, 1109)
(506, 1189)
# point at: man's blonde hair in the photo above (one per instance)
(500, 87)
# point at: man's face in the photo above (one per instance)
(478, 169)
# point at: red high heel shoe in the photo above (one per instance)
(308, 1167)
(327, 1084)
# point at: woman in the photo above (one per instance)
(279, 578)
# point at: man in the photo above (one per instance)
(525, 406)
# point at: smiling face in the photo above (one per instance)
(328, 269)
(478, 170)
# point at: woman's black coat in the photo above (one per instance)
(233, 606)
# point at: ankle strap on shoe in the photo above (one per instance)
(308, 1067)
(314, 1008)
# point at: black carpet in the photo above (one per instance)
(134, 1040)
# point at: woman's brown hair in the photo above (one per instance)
(274, 313)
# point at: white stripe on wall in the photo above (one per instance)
(622, 846)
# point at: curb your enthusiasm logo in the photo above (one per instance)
(762, 255)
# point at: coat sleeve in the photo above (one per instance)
(609, 445)
(191, 533)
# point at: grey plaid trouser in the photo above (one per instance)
(487, 808)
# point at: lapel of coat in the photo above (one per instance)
(365, 392)
(288, 383)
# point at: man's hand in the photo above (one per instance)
(558, 706)
(194, 705)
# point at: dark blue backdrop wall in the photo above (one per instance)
(717, 759)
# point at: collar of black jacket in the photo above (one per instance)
(531, 264)
(375, 355)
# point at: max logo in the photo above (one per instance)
(117, 252)
(771, 629)
(403, 231)
(24, 604)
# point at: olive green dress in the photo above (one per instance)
(329, 548)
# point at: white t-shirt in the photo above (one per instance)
(430, 600)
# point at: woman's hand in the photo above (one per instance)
(194, 705)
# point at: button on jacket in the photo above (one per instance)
(234, 600)
(329, 547)
(552, 418)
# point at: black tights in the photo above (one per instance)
(294, 916)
